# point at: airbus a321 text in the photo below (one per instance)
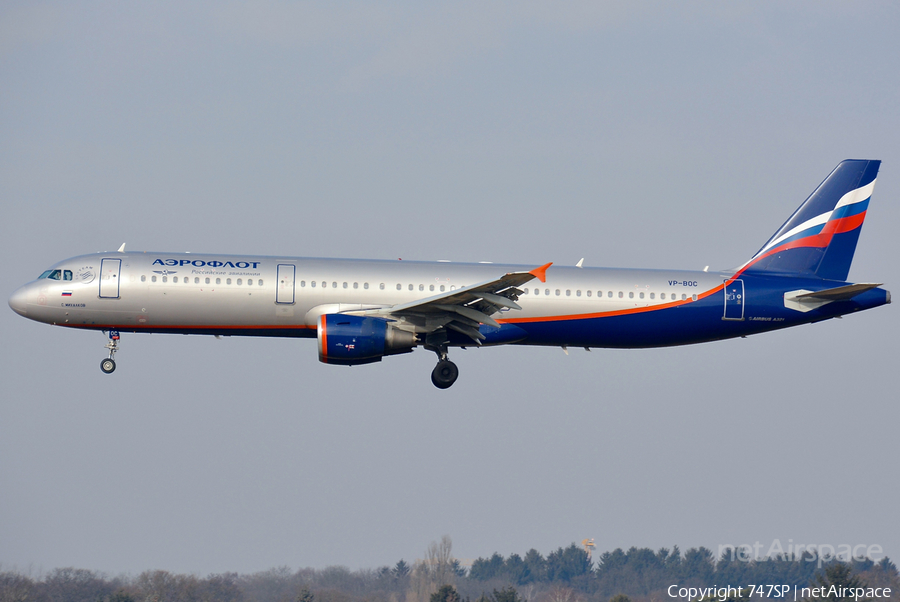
(363, 310)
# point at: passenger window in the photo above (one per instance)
(366, 285)
(207, 281)
(196, 281)
(67, 274)
(345, 285)
(641, 295)
(143, 278)
(547, 291)
(662, 295)
(228, 281)
(174, 278)
(399, 287)
(381, 286)
(652, 295)
(421, 287)
(431, 288)
(442, 288)
(334, 285)
(557, 292)
(621, 294)
(568, 293)
(239, 281)
(313, 284)
(260, 282)
(165, 278)
(683, 297)
(249, 281)
(410, 287)
(578, 293)
(609, 294)
(218, 281)
(356, 285)
(631, 295)
(152, 278)
(588, 293)
(694, 297)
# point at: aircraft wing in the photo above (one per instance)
(465, 308)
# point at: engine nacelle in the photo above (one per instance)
(351, 340)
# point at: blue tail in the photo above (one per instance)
(819, 239)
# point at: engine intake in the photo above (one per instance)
(352, 340)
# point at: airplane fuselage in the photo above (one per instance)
(286, 296)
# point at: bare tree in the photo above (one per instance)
(16, 588)
(432, 572)
(439, 562)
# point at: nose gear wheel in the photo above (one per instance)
(108, 366)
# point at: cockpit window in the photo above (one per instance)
(56, 275)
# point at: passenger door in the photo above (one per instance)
(110, 270)
(734, 300)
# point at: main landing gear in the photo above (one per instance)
(108, 365)
(446, 372)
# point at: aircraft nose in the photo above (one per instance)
(18, 301)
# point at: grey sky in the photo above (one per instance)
(634, 135)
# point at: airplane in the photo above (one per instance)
(361, 311)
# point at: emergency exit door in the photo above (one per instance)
(285, 284)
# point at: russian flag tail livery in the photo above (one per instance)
(820, 237)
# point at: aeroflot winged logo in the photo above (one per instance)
(200, 263)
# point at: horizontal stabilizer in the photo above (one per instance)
(841, 293)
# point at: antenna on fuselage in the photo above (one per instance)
(580, 263)
(121, 249)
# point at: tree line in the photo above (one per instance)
(564, 575)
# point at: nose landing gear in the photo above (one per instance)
(108, 365)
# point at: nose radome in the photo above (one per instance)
(18, 301)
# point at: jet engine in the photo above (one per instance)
(351, 340)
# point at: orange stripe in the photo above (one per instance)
(618, 312)
(128, 327)
(323, 342)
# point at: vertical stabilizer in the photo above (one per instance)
(819, 239)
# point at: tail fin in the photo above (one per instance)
(819, 239)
